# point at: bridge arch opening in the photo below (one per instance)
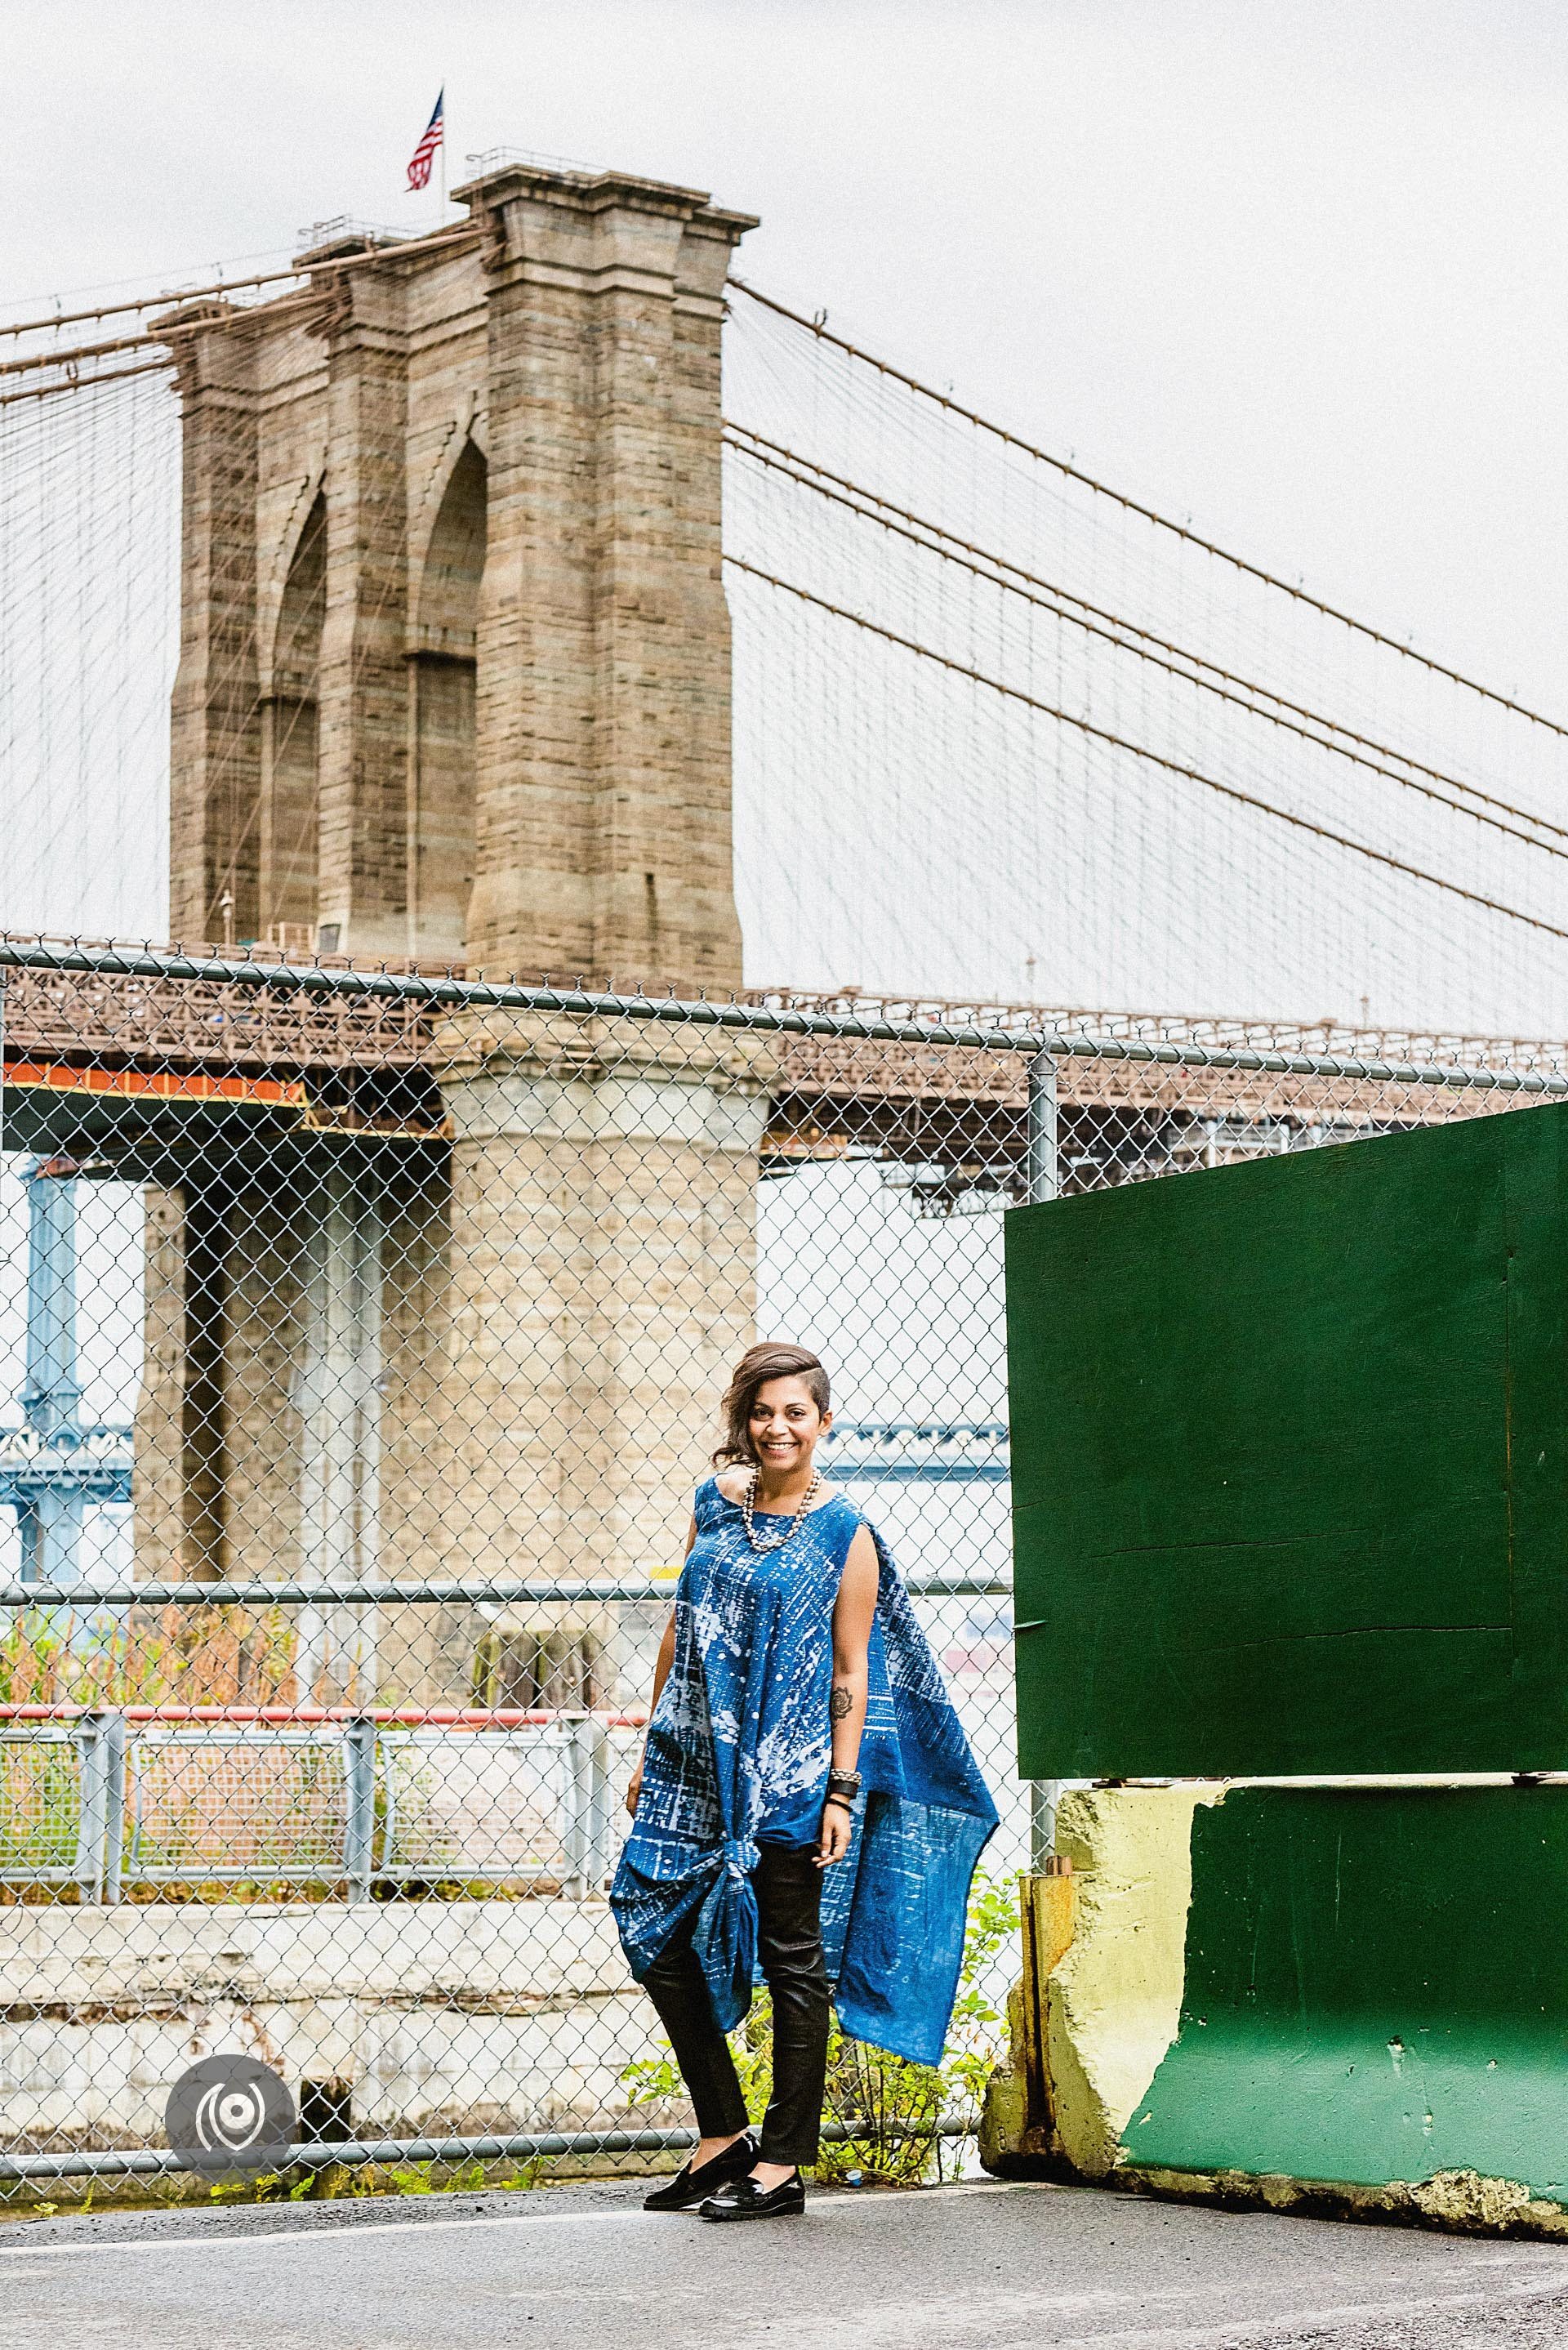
(443, 769)
(290, 849)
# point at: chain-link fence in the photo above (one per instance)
(363, 1336)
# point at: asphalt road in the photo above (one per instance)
(1011, 2268)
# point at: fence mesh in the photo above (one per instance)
(364, 1336)
(41, 1806)
(251, 1806)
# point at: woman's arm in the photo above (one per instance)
(852, 1615)
(660, 1675)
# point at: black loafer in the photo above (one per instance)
(744, 2200)
(688, 2185)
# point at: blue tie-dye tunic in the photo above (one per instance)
(738, 1754)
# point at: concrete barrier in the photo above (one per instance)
(432, 2015)
(1354, 1997)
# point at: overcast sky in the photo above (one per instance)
(1294, 268)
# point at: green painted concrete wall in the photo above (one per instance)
(1290, 1446)
(1376, 1989)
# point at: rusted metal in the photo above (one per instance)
(107, 1016)
(1048, 1907)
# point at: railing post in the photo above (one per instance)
(359, 1821)
(89, 1819)
(600, 1801)
(115, 1740)
(577, 1839)
(101, 1831)
(1041, 1184)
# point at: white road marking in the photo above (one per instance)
(335, 2233)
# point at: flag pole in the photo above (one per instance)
(443, 151)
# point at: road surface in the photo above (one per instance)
(1009, 2267)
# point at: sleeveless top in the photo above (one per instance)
(737, 1753)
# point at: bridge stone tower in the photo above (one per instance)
(454, 688)
(454, 681)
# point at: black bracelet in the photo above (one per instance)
(843, 1801)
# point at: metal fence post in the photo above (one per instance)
(115, 1740)
(599, 1808)
(1042, 1182)
(100, 1830)
(88, 1744)
(1041, 1170)
(359, 1821)
(578, 1842)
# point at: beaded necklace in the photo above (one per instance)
(749, 1499)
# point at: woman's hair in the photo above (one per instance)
(756, 1366)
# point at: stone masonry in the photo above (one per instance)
(455, 687)
(451, 595)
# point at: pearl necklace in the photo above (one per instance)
(749, 1501)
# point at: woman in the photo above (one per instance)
(806, 1800)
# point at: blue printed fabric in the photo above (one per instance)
(738, 1754)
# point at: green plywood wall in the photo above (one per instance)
(1290, 1447)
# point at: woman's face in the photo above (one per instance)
(784, 1424)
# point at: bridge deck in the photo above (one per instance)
(117, 1043)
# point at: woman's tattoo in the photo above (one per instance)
(839, 1704)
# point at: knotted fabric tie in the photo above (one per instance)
(725, 1935)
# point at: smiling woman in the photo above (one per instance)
(799, 1727)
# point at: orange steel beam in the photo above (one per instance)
(158, 1084)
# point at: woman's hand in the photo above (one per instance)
(634, 1792)
(837, 1826)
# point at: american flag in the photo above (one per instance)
(420, 162)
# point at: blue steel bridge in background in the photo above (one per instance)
(917, 1452)
(56, 1466)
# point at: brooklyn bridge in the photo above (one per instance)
(569, 814)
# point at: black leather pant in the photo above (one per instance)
(788, 1887)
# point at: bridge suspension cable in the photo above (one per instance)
(87, 383)
(457, 232)
(135, 302)
(1182, 531)
(1114, 630)
(1140, 751)
(34, 360)
(1059, 776)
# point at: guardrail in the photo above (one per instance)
(104, 1798)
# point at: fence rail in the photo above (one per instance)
(369, 1594)
(321, 2154)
